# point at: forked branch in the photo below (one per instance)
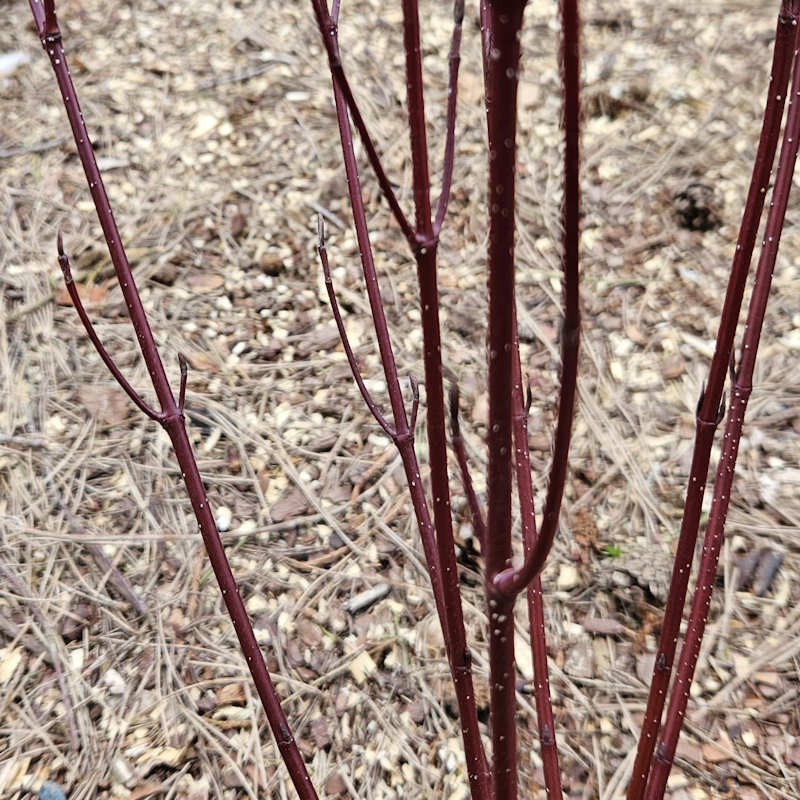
(171, 414)
(511, 581)
(742, 388)
(710, 408)
(436, 533)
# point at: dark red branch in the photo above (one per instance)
(72, 290)
(541, 672)
(454, 61)
(502, 26)
(712, 544)
(438, 532)
(475, 510)
(328, 28)
(511, 581)
(416, 124)
(425, 254)
(170, 416)
(351, 358)
(711, 405)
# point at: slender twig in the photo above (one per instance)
(437, 531)
(415, 106)
(72, 290)
(328, 28)
(512, 581)
(541, 673)
(454, 61)
(351, 358)
(710, 408)
(425, 254)
(457, 440)
(742, 388)
(171, 414)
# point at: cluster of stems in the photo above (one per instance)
(492, 775)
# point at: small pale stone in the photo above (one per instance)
(256, 604)
(114, 682)
(121, 770)
(568, 577)
(361, 667)
(223, 519)
(749, 738)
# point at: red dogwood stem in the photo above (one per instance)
(171, 414)
(436, 533)
(712, 544)
(541, 672)
(512, 581)
(502, 26)
(710, 406)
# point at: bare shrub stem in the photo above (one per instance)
(170, 417)
(710, 407)
(501, 29)
(742, 388)
(437, 532)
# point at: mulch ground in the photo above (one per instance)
(119, 673)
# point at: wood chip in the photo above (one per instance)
(363, 600)
(604, 626)
(361, 667)
(293, 504)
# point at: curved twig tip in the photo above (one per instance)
(701, 398)
(414, 402)
(320, 232)
(184, 365)
(453, 397)
(63, 259)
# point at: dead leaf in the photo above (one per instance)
(718, 751)
(107, 404)
(93, 295)
(604, 626)
(201, 361)
(238, 224)
(291, 505)
(335, 785)
(72, 624)
(673, 367)
(309, 633)
(205, 282)
(145, 790)
(233, 693)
